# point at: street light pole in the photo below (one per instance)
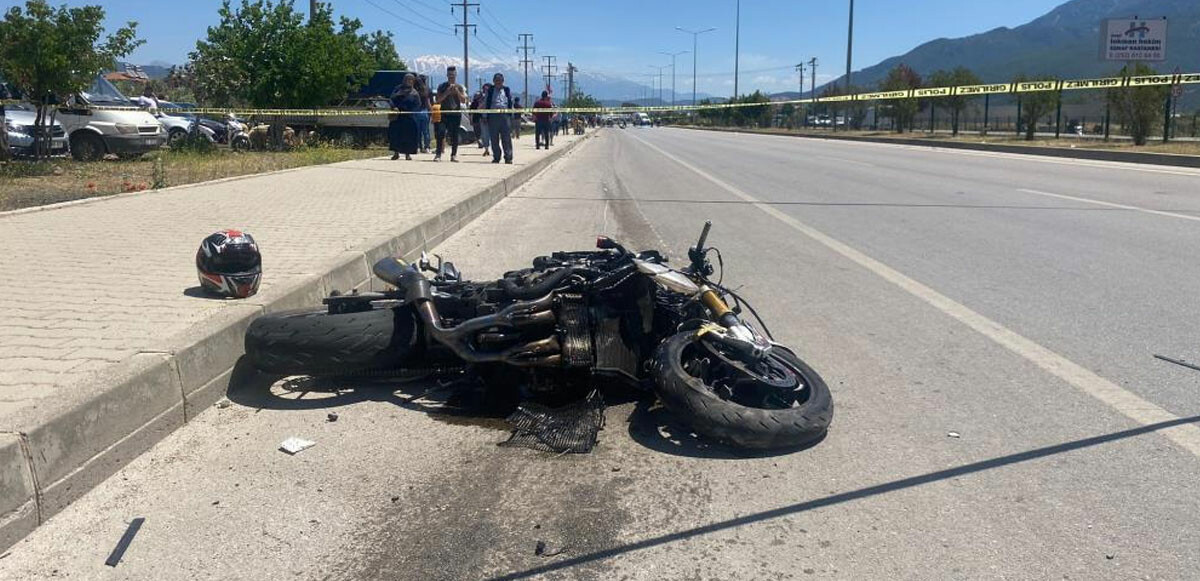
(695, 34)
(673, 55)
(849, 47)
(737, 42)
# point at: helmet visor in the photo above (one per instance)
(236, 260)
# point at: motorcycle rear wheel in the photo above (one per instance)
(699, 404)
(319, 343)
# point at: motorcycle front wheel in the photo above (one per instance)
(780, 402)
(319, 343)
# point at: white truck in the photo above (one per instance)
(94, 133)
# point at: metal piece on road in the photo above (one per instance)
(119, 551)
(1129, 404)
(1177, 362)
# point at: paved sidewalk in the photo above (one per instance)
(105, 343)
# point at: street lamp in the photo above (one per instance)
(673, 55)
(737, 42)
(695, 34)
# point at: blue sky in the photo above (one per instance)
(624, 36)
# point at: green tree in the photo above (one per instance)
(1035, 104)
(583, 100)
(49, 54)
(1139, 109)
(382, 51)
(957, 77)
(755, 110)
(263, 54)
(901, 111)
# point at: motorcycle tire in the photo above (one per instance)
(728, 422)
(319, 343)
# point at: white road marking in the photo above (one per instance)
(844, 160)
(1111, 204)
(1098, 164)
(1127, 403)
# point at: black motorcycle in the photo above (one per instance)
(574, 318)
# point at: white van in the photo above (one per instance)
(93, 133)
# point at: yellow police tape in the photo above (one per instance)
(921, 93)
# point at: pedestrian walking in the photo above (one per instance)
(541, 121)
(421, 117)
(402, 131)
(499, 96)
(516, 118)
(439, 129)
(480, 121)
(451, 96)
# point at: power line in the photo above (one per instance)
(495, 19)
(495, 53)
(430, 6)
(418, 14)
(403, 19)
(495, 34)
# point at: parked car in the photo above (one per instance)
(19, 122)
(177, 122)
(94, 133)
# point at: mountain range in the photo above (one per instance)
(609, 89)
(1064, 42)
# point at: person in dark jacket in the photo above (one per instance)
(500, 124)
(402, 131)
(541, 120)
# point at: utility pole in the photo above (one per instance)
(812, 67)
(571, 70)
(737, 41)
(312, 10)
(525, 37)
(549, 71)
(673, 55)
(660, 80)
(466, 27)
(800, 74)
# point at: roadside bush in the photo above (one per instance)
(194, 143)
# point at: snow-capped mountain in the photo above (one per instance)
(602, 86)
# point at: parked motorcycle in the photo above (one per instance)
(574, 318)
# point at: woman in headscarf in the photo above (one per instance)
(402, 131)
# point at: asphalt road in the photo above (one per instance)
(986, 323)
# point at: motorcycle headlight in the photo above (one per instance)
(126, 128)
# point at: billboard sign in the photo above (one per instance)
(1134, 39)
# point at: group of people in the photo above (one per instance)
(408, 132)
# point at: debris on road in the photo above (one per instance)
(542, 549)
(296, 445)
(953, 435)
(223, 403)
(1180, 362)
(331, 417)
(119, 551)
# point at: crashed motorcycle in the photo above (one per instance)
(573, 318)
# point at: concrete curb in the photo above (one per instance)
(1168, 159)
(63, 449)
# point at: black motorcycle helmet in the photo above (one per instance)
(229, 264)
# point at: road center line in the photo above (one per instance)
(1127, 403)
(1110, 204)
